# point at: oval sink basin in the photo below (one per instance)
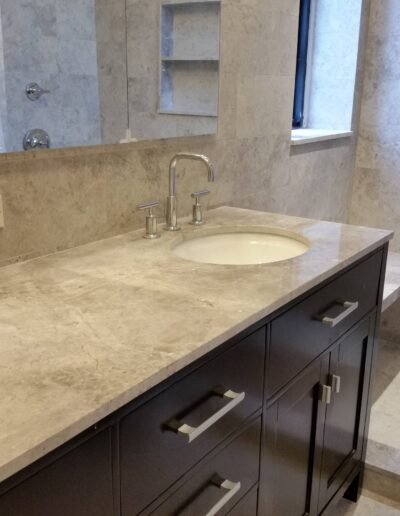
(240, 248)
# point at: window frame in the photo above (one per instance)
(303, 54)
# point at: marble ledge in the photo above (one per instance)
(391, 291)
(85, 331)
(304, 136)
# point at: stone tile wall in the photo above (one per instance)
(376, 189)
(59, 199)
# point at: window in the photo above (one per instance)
(327, 55)
(301, 70)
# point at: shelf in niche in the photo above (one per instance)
(190, 59)
(182, 112)
(189, 88)
(185, 3)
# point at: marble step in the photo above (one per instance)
(391, 291)
(383, 457)
(382, 483)
(382, 470)
(368, 505)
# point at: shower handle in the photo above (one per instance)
(36, 139)
(34, 91)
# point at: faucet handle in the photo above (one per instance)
(151, 219)
(148, 206)
(197, 195)
(197, 219)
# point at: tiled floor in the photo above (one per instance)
(366, 507)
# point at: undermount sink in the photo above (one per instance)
(241, 248)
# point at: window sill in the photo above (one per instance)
(303, 136)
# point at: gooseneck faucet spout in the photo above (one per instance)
(171, 218)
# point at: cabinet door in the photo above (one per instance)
(292, 445)
(349, 377)
(78, 484)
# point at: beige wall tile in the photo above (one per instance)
(59, 199)
(376, 186)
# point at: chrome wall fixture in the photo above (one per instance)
(36, 139)
(34, 91)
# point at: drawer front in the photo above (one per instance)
(299, 335)
(247, 506)
(77, 484)
(217, 486)
(154, 454)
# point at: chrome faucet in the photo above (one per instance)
(172, 218)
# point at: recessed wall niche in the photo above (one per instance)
(189, 59)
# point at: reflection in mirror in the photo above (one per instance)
(89, 72)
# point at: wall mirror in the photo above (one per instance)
(90, 72)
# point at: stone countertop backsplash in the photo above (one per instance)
(87, 330)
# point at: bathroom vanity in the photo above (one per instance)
(162, 386)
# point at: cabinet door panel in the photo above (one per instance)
(292, 447)
(78, 484)
(345, 415)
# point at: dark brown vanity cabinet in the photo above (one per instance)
(78, 482)
(349, 377)
(313, 432)
(273, 423)
(317, 390)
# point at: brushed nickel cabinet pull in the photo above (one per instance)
(192, 432)
(348, 308)
(230, 488)
(336, 383)
(325, 394)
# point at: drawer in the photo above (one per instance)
(154, 453)
(247, 506)
(218, 485)
(79, 483)
(299, 335)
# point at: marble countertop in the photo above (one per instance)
(85, 331)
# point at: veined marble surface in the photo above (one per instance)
(87, 330)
